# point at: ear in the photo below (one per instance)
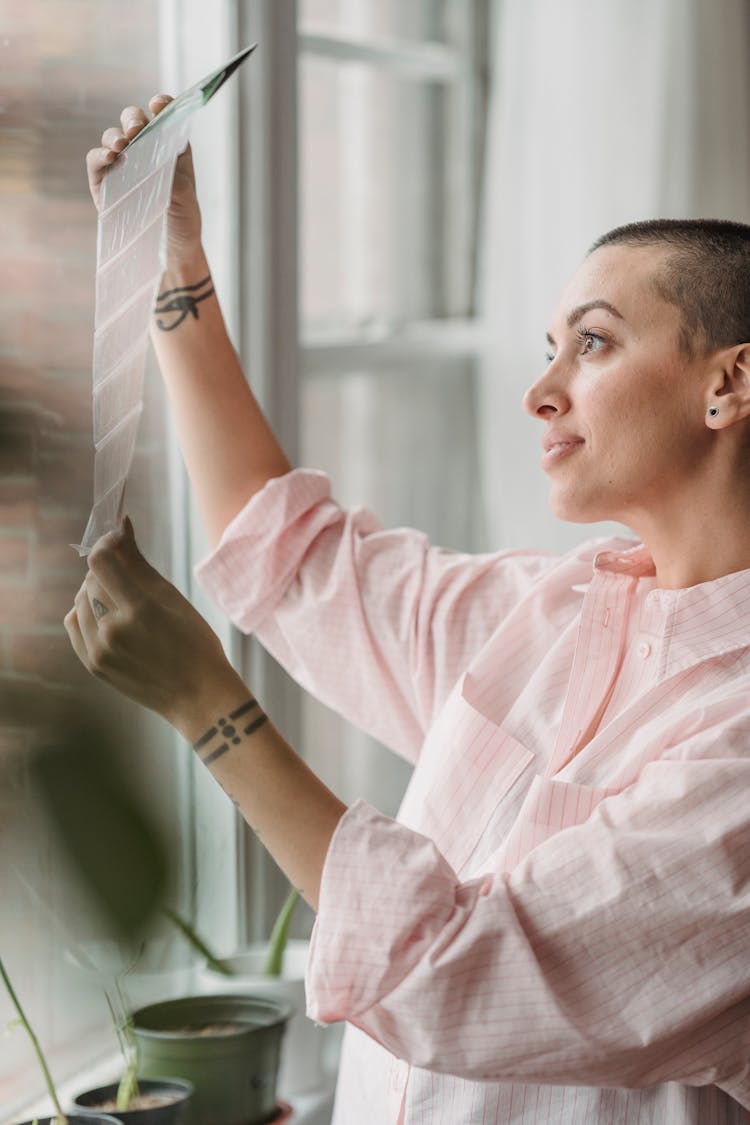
(730, 390)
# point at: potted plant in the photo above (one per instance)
(228, 1046)
(133, 1100)
(157, 1101)
(276, 969)
(59, 1118)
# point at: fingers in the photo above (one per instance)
(114, 139)
(123, 575)
(86, 620)
(80, 625)
(99, 601)
(132, 120)
(83, 622)
(73, 629)
(98, 161)
(158, 101)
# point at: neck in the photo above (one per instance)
(703, 536)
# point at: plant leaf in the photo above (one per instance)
(279, 935)
(105, 832)
(197, 942)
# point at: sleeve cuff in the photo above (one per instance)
(385, 890)
(259, 551)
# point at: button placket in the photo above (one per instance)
(581, 711)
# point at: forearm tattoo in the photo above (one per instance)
(219, 738)
(176, 304)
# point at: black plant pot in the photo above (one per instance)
(173, 1112)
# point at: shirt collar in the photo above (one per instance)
(709, 619)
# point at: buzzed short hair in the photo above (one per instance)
(706, 274)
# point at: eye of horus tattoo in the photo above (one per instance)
(176, 304)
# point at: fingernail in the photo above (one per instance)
(134, 123)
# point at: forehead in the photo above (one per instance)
(623, 276)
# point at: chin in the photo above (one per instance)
(578, 509)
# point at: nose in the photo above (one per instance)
(547, 397)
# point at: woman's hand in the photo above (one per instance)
(184, 223)
(133, 629)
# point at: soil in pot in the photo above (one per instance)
(76, 1119)
(162, 1101)
(228, 1046)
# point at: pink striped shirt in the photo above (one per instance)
(556, 927)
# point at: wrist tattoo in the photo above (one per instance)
(181, 302)
(224, 734)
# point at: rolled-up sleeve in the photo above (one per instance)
(377, 624)
(614, 954)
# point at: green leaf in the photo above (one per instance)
(61, 1119)
(127, 1089)
(279, 936)
(113, 846)
(197, 942)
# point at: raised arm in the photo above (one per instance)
(230, 450)
(132, 629)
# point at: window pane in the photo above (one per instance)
(400, 442)
(416, 19)
(371, 195)
(67, 70)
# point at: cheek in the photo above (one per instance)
(630, 407)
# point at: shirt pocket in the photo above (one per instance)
(474, 763)
(549, 807)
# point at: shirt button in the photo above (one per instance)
(644, 649)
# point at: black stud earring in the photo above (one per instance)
(713, 411)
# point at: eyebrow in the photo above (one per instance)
(580, 310)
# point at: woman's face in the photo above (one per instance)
(626, 403)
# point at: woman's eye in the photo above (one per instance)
(549, 357)
(589, 341)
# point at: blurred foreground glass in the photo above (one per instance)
(66, 71)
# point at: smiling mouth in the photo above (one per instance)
(557, 451)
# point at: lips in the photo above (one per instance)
(558, 445)
(559, 437)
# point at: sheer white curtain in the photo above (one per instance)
(602, 113)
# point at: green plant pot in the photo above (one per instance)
(228, 1046)
(309, 1053)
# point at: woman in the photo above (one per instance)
(556, 926)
